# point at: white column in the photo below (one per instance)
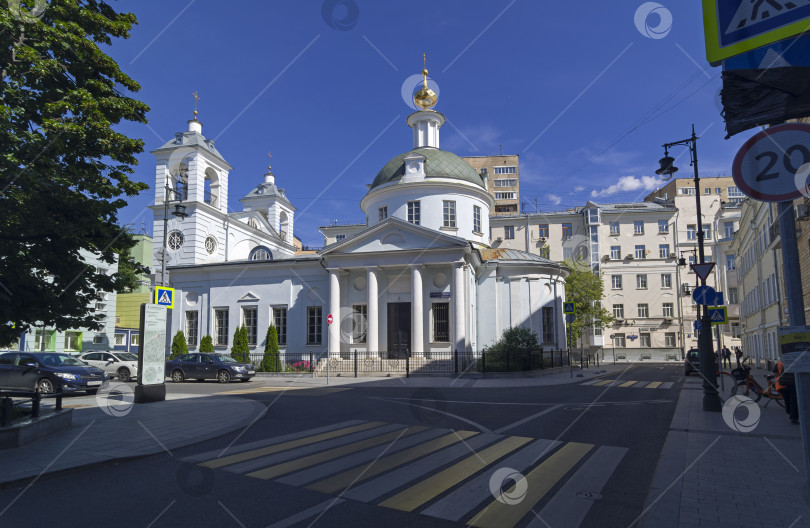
(334, 310)
(459, 329)
(417, 312)
(373, 309)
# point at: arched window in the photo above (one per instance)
(283, 225)
(252, 222)
(261, 253)
(211, 191)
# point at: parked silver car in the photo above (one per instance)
(122, 365)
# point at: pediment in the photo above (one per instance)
(249, 297)
(394, 234)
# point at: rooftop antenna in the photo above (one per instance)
(500, 151)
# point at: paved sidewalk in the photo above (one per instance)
(146, 429)
(710, 474)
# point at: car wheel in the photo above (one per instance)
(223, 376)
(177, 376)
(123, 374)
(45, 386)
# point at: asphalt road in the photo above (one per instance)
(588, 453)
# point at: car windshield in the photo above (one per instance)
(60, 359)
(127, 357)
(226, 359)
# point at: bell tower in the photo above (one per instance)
(191, 174)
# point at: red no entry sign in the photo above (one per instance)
(329, 319)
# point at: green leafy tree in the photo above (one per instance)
(207, 345)
(513, 350)
(240, 350)
(270, 359)
(585, 289)
(179, 346)
(64, 165)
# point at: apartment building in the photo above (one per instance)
(760, 279)
(502, 176)
(632, 246)
(720, 202)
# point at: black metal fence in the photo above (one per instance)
(364, 362)
(7, 404)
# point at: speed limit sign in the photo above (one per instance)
(774, 165)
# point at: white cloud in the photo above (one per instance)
(578, 188)
(629, 184)
(554, 199)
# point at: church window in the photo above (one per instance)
(175, 240)
(280, 322)
(221, 327)
(249, 319)
(253, 223)
(338, 238)
(476, 219)
(314, 325)
(192, 324)
(414, 215)
(261, 253)
(359, 323)
(441, 322)
(383, 212)
(449, 209)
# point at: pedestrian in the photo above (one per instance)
(738, 353)
(785, 383)
(726, 356)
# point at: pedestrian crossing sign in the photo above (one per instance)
(718, 315)
(568, 308)
(164, 296)
(733, 27)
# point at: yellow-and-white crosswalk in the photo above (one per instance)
(442, 473)
(625, 384)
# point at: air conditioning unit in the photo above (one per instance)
(687, 289)
(618, 322)
(802, 212)
(606, 258)
(498, 239)
(542, 239)
(629, 256)
(667, 321)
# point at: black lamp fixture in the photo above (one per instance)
(668, 168)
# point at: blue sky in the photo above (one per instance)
(575, 88)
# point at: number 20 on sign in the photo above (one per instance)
(774, 165)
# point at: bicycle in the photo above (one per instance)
(754, 390)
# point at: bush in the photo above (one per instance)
(240, 350)
(513, 350)
(207, 345)
(179, 346)
(270, 360)
(298, 366)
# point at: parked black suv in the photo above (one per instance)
(45, 371)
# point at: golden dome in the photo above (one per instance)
(425, 98)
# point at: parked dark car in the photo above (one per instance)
(208, 366)
(692, 361)
(45, 371)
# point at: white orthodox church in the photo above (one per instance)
(420, 278)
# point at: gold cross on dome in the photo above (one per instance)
(269, 157)
(196, 98)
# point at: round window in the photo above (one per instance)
(175, 240)
(210, 245)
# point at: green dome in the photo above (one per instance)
(438, 164)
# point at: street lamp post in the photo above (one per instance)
(711, 399)
(179, 211)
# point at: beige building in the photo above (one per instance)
(502, 176)
(720, 202)
(632, 246)
(759, 275)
